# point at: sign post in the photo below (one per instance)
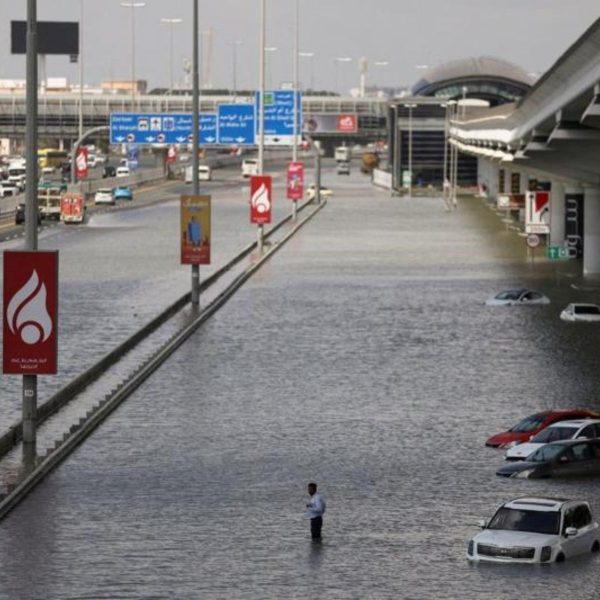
(30, 320)
(260, 203)
(295, 184)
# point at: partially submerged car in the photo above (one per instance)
(529, 426)
(575, 312)
(536, 530)
(567, 458)
(563, 430)
(518, 297)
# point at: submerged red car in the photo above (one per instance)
(529, 426)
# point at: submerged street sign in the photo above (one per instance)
(558, 253)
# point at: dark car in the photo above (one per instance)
(20, 214)
(109, 171)
(575, 458)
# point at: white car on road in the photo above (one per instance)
(536, 530)
(562, 430)
(104, 196)
(581, 312)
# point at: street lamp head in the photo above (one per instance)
(306, 54)
(342, 59)
(171, 21)
(381, 63)
(133, 4)
(270, 48)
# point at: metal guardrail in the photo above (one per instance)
(95, 416)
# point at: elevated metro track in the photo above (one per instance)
(59, 113)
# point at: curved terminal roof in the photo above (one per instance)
(484, 77)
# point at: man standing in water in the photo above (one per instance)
(316, 508)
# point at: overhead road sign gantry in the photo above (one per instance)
(160, 128)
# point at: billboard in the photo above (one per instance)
(260, 199)
(195, 230)
(81, 163)
(54, 37)
(30, 312)
(330, 123)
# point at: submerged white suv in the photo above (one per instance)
(536, 530)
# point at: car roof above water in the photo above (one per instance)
(574, 423)
(540, 503)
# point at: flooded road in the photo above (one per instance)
(361, 357)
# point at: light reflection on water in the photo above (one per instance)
(361, 357)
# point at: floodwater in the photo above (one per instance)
(360, 357)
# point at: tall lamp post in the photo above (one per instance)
(171, 21)
(234, 46)
(310, 55)
(261, 104)
(195, 292)
(336, 61)
(268, 69)
(133, 6)
(410, 107)
(80, 74)
(381, 63)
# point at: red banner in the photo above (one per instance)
(260, 199)
(81, 163)
(30, 313)
(295, 180)
(195, 230)
(171, 155)
(347, 123)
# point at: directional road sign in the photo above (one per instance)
(160, 128)
(236, 124)
(279, 116)
(558, 253)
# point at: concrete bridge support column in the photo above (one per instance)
(557, 214)
(493, 181)
(591, 231)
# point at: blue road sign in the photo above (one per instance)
(236, 124)
(160, 128)
(279, 115)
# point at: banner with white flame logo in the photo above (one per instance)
(81, 163)
(30, 313)
(260, 199)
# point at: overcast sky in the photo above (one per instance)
(406, 33)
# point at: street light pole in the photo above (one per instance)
(261, 104)
(410, 142)
(171, 22)
(195, 141)
(29, 402)
(311, 67)
(234, 46)
(337, 60)
(133, 6)
(80, 72)
(296, 90)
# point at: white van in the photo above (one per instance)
(123, 172)
(204, 173)
(249, 167)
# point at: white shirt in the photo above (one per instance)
(316, 506)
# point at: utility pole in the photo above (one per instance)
(261, 106)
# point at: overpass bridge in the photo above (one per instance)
(59, 113)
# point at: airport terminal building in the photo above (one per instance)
(418, 131)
